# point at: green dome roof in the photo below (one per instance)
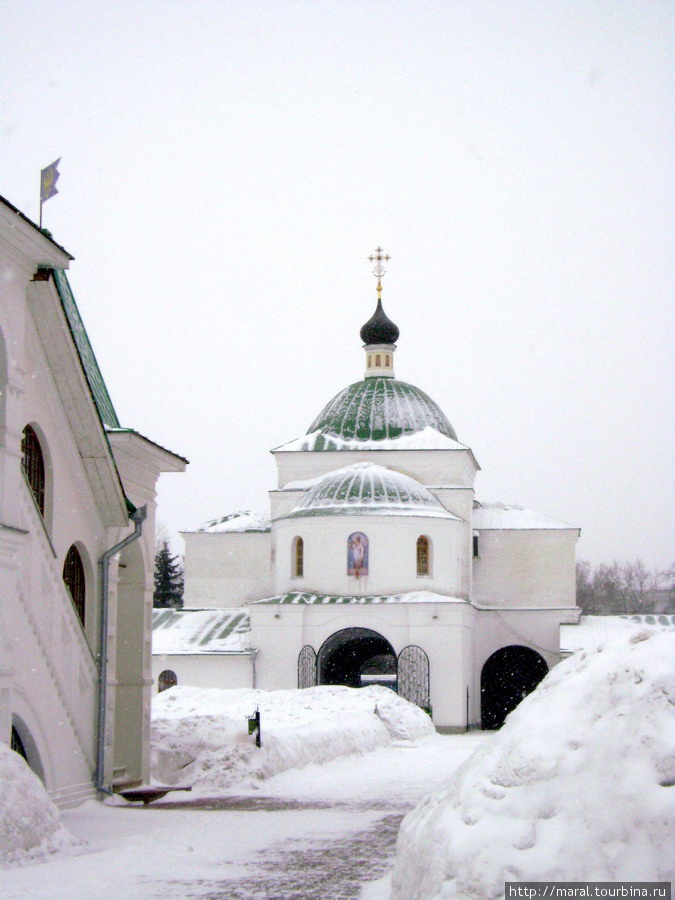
(368, 489)
(380, 408)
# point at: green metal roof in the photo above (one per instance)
(308, 598)
(200, 631)
(92, 372)
(377, 409)
(368, 489)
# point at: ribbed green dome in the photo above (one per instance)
(380, 408)
(368, 489)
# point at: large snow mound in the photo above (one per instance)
(30, 827)
(200, 735)
(579, 785)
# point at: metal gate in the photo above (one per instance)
(413, 676)
(307, 667)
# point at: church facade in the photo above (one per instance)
(377, 565)
(77, 542)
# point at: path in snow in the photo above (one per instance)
(320, 832)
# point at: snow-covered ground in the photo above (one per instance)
(576, 786)
(200, 735)
(319, 832)
(579, 785)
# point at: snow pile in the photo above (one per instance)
(30, 827)
(591, 631)
(579, 785)
(200, 735)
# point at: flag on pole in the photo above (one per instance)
(48, 179)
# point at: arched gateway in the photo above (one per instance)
(356, 656)
(508, 676)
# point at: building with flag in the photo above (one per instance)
(377, 564)
(77, 537)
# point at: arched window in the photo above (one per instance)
(423, 555)
(34, 466)
(73, 576)
(298, 561)
(167, 679)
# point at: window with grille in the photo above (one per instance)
(298, 557)
(34, 466)
(73, 576)
(422, 555)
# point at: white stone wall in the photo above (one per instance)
(429, 467)
(226, 568)
(212, 670)
(48, 659)
(443, 630)
(392, 554)
(525, 568)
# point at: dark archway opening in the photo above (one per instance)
(355, 657)
(508, 676)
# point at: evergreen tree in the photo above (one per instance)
(168, 578)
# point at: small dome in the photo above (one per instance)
(379, 329)
(368, 489)
(380, 408)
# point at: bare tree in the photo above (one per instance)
(620, 588)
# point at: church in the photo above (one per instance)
(77, 538)
(377, 564)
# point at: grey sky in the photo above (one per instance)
(227, 167)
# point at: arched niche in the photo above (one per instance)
(508, 676)
(352, 653)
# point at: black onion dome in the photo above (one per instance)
(379, 329)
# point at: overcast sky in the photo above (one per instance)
(227, 167)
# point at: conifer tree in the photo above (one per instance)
(168, 578)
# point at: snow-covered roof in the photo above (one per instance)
(307, 598)
(245, 520)
(200, 631)
(428, 438)
(499, 516)
(594, 630)
(368, 489)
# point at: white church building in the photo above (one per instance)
(377, 564)
(77, 538)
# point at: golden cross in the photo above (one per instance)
(378, 269)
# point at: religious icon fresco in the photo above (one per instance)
(357, 554)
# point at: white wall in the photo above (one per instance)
(429, 467)
(210, 670)
(226, 568)
(48, 659)
(525, 568)
(392, 554)
(443, 630)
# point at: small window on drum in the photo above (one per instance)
(73, 577)
(423, 555)
(167, 679)
(298, 560)
(33, 464)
